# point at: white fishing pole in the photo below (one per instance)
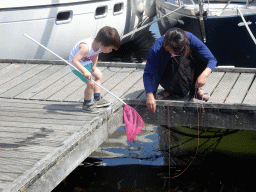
(72, 66)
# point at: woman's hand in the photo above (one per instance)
(201, 80)
(151, 102)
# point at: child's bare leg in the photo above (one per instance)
(98, 79)
(97, 96)
(88, 105)
(88, 92)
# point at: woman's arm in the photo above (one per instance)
(202, 78)
(203, 52)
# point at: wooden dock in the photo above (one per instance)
(45, 136)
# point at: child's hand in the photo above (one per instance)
(88, 75)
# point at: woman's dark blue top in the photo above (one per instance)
(158, 58)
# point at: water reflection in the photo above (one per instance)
(224, 162)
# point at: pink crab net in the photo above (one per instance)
(133, 123)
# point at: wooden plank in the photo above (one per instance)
(37, 144)
(43, 114)
(65, 111)
(78, 95)
(15, 73)
(44, 84)
(25, 101)
(116, 79)
(31, 81)
(8, 177)
(250, 97)
(223, 89)
(20, 79)
(17, 161)
(14, 168)
(234, 69)
(3, 65)
(58, 107)
(20, 127)
(125, 85)
(67, 90)
(122, 64)
(71, 111)
(109, 72)
(212, 81)
(135, 91)
(9, 68)
(55, 87)
(47, 121)
(15, 143)
(4, 184)
(21, 153)
(34, 134)
(240, 89)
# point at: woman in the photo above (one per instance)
(180, 63)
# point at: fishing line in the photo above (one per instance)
(198, 133)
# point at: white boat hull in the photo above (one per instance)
(60, 26)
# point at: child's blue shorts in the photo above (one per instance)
(80, 75)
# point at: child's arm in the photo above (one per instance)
(83, 50)
(94, 63)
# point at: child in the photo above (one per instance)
(84, 57)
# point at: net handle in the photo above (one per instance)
(72, 66)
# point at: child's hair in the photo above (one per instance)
(177, 39)
(108, 36)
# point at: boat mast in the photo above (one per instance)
(201, 20)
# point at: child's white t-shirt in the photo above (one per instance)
(87, 59)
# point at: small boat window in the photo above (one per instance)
(118, 8)
(63, 17)
(101, 12)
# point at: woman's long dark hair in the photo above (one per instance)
(177, 39)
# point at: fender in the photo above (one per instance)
(150, 8)
(138, 7)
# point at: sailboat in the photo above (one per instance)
(59, 24)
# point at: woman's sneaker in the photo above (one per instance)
(89, 108)
(100, 102)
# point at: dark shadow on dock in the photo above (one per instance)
(135, 94)
(64, 108)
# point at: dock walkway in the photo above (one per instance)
(44, 135)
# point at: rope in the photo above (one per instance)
(246, 25)
(144, 26)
